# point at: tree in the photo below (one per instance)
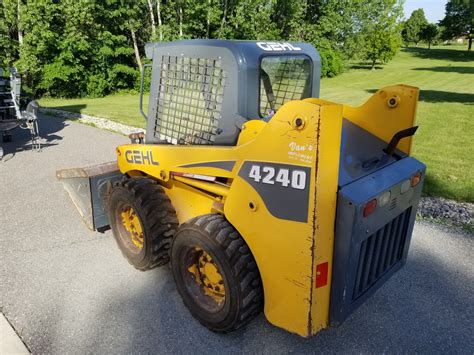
(93, 48)
(429, 33)
(152, 18)
(381, 44)
(10, 34)
(459, 20)
(252, 19)
(381, 37)
(413, 27)
(41, 24)
(5, 41)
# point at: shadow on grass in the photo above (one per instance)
(441, 96)
(70, 108)
(365, 66)
(446, 96)
(454, 55)
(435, 186)
(449, 69)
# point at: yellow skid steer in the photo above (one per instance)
(262, 196)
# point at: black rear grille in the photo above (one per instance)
(381, 251)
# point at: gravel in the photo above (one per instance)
(432, 208)
(98, 122)
(438, 208)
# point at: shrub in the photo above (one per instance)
(332, 63)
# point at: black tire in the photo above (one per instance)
(213, 235)
(156, 216)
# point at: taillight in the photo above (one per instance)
(370, 207)
(415, 179)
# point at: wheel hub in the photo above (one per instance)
(132, 225)
(207, 275)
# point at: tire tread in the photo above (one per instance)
(241, 261)
(159, 215)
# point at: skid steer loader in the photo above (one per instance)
(262, 195)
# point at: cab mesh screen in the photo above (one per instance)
(189, 98)
(289, 79)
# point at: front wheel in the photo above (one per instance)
(216, 274)
(143, 221)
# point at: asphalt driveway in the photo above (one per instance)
(66, 289)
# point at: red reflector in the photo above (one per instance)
(415, 179)
(370, 207)
(321, 275)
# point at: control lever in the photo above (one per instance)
(390, 150)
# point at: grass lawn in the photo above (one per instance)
(444, 141)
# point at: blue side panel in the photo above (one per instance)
(369, 250)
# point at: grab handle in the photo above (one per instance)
(142, 81)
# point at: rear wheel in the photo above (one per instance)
(216, 274)
(143, 222)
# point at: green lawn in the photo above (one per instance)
(120, 108)
(444, 141)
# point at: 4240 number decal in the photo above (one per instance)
(292, 178)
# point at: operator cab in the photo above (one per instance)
(202, 91)
(282, 79)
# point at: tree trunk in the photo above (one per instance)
(208, 28)
(373, 64)
(180, 15)
(470, 43)
(20, 32)
(152, 18)
(135, 48)
(429, 45)
(160, 24)
(224, 15)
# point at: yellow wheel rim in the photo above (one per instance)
(132, 225)
(207, 275)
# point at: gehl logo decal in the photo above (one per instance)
(277, 46)
(140, 157)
